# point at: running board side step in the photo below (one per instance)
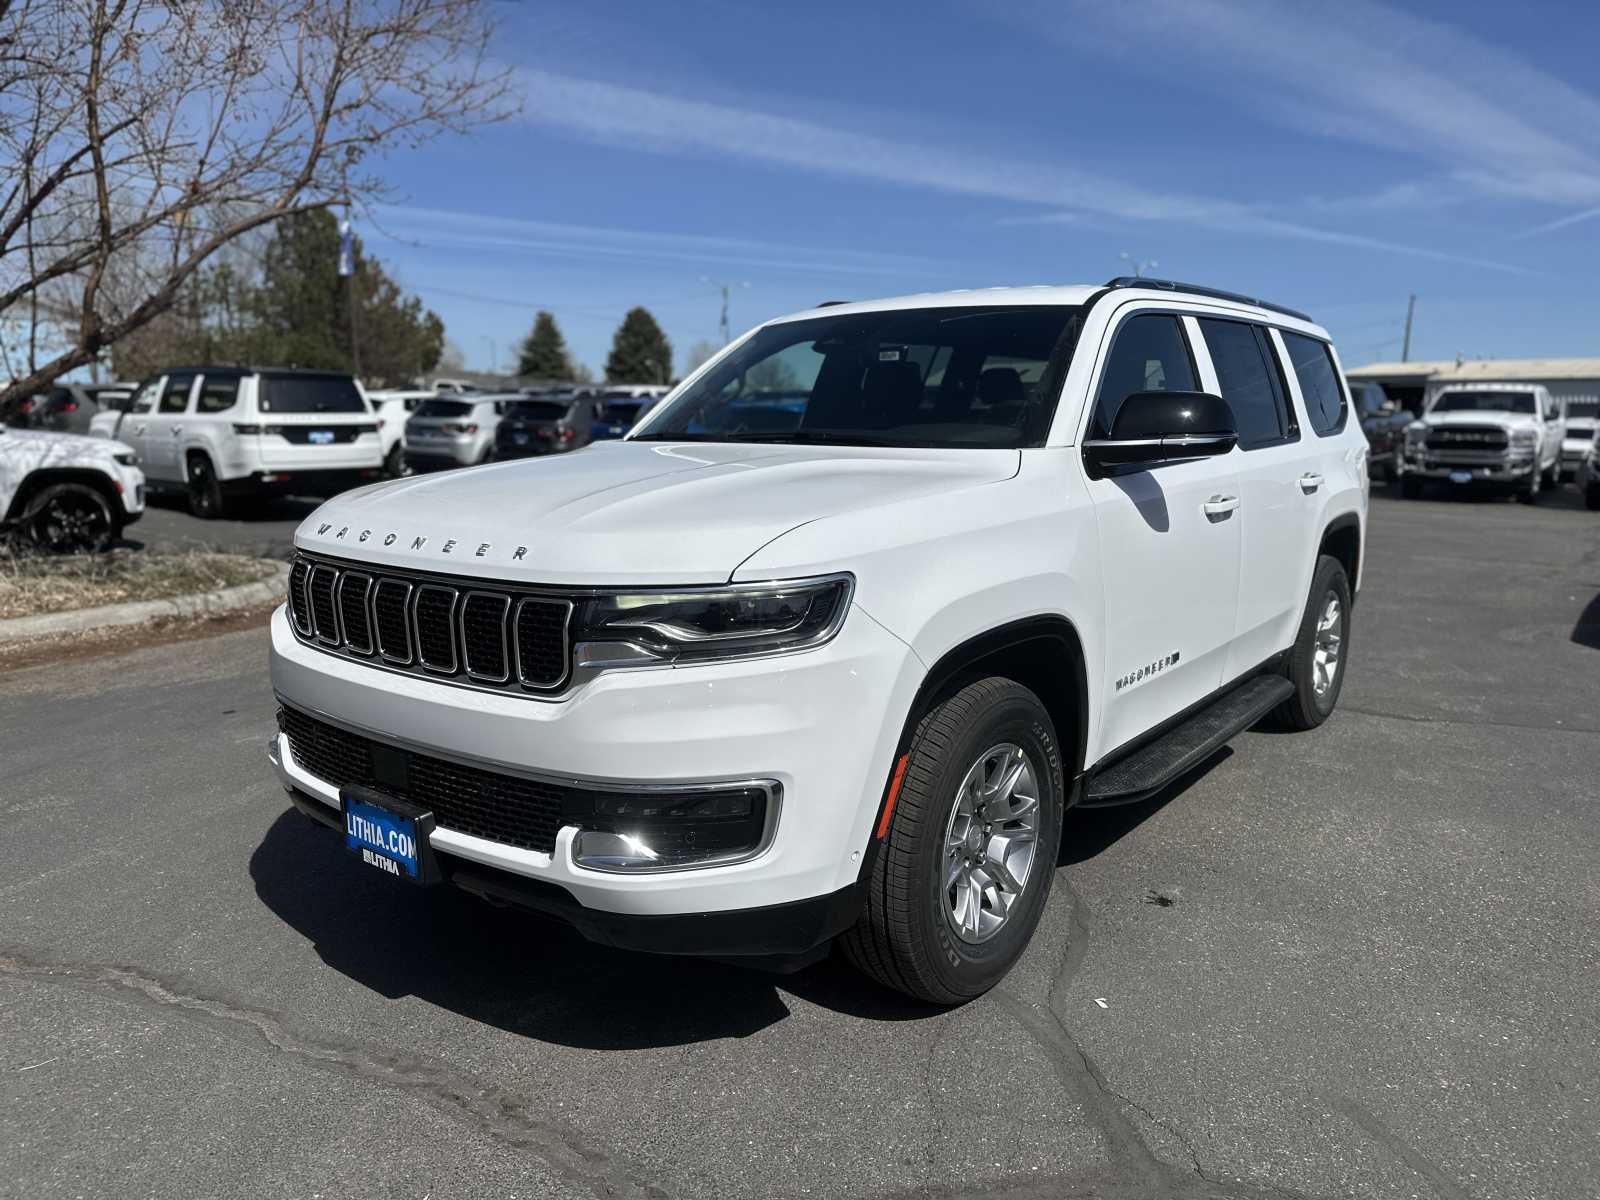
(1185, 746)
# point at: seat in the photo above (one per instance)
(891, 393)
(1001, 392)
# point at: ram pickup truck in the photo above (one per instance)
(1506, 435)
(761, 677)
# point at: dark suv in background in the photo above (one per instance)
(544, 424)
(1384, 422)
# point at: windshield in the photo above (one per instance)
(908, 377)
(310, 394)
(444, 408)
(539, 410)
(1512, 402)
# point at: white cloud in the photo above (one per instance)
(621, 115)
(1363, 72)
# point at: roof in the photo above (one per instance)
(1489, 369)
(1073, 294)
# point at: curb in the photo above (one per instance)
(263, 591)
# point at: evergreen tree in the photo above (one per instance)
(543, 353)
(640, 352)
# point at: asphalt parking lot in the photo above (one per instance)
(1360, 962)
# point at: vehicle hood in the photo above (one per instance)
(40, 445)
(1506, 420)
(630, 512)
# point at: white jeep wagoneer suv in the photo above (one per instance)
(826, 647)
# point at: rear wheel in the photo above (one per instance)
(70, 518)
(962, 877)
(1321, 648)
(205, 489)
(394, 462)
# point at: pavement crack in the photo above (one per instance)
(1425, 719)
(1368, 1122)
(491, 1110)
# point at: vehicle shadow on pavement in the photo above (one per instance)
(1587, 631)
(1090, 831)
(527, 975)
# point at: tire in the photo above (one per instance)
(70, 518)
(1552, 477)
(1528, 493)
(1411, 487)
(206, 500)
(1309, 706)
(394, 462)
(1591, 496)
(907, 936)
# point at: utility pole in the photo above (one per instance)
(347, 268)
(1405, 346)
(1139, 267)
(724, 288)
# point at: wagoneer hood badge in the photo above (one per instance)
(629, 512)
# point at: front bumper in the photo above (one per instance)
(1506, 469)
(823, 724)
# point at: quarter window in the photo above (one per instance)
(1149, 355)
(175, 398)
(1249, 381)
(1319, 383)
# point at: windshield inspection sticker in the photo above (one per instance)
(891, 354)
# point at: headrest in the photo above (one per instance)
(1000, 385)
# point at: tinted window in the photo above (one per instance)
(218, 393)
(906, 377)
(444, 408)
(310, 394)
(175, 397)
(539, 410)
(145, 399)
(1249, 381)
(1149, 355)
(1319, 384)
(1513, 402)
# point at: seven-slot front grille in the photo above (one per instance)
(476, 635)
(508, 809)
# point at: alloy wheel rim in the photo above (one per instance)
(1328, 648)
(989, 842)
(70, 524)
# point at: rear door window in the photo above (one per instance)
(1150, 355)
(1319, 382)
(1247, 375)
(444, 408)
(218, 393)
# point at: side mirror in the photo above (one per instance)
(1159, 427)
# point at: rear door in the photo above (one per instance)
(163, 429)
(1169, 539)
(1279, 488)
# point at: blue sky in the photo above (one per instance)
(1333, 157)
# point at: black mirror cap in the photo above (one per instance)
(1158, 427)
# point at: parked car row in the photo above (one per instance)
(1515, 436)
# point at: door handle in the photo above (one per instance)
(1220, 506)
(176, 430)
(1310, 482)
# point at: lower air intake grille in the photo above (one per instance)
(502, 808)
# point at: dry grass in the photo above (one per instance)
(32, 584)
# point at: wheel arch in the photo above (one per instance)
(35, 481)
(1341, 539)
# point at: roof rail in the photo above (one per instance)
(831, 303)
(1168, 285)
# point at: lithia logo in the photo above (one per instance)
(448, 546)
(1143, 673)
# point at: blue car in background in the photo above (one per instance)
(619, 411)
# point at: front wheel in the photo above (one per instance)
(70, 518)
(962, 877)
(1529, 492)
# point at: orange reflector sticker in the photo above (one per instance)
(894, 790)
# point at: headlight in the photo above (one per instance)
(1524, 437)
(126, 457)
(713, 624)
(1415, 432)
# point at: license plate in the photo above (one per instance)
(1460, 476)
(320, 437)
(520, 437)
(388, 834)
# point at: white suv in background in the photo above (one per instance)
(829, 643)
(1506, 434)
(219, 434)
(393, 408)
(67, 494)
(454, 431)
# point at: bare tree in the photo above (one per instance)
(139, 137)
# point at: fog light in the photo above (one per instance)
(673, 830)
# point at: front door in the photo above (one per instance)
(1169, 545)
(164, 431)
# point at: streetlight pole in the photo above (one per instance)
(724, 288)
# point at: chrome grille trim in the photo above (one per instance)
(398, 593)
